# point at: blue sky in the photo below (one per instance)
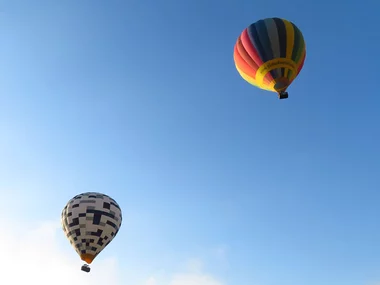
(141, 100)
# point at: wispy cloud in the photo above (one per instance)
(192, 275)
(193, 279)
(187, 278)
(33, 254)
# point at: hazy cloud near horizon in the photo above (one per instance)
(34, 254)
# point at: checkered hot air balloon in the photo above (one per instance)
(270, 54)
(90, 221)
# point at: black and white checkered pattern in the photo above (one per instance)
(90, 221)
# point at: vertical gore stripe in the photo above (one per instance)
(244, 62)
(299, 46)
(250, 48)
(289, 38)
(295, 46)
(262, 32)
(253, 36)
(273, 38)
(281, 31)
(296, 43)
(301, 62)
(245, 56)
(255, 39)
(289, 44)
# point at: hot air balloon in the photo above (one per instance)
(90, 222)
(269, 54)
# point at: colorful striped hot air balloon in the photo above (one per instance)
(269, 54)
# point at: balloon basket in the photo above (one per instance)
(283, 95)
(86, 268)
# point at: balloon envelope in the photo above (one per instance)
(90, 221)
(270, 53)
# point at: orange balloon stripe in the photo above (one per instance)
(244, 62)
(243, 53)
(251, 50)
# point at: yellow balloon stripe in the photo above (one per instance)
(289, 43)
